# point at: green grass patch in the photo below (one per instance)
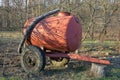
(10, 78)
(10, 34)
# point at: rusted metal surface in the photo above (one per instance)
(59, 33)
(62, 32)
(32, 25)
(79, 57)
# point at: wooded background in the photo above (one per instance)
(100, 19)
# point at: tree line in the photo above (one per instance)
(100, 19)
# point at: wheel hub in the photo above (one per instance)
(30, 60)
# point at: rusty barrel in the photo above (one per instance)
(61, 33)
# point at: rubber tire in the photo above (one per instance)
(33, 59)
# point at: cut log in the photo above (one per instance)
(98, 70)
(101, 70)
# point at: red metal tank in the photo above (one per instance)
(62, 32)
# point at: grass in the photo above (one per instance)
(76, 70)
(11, 78)
(8, 34)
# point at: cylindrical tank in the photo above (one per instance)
(62, 32)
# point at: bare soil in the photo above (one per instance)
(10, 66)
(9, 59)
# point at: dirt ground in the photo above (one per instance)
(9, 59)
(10, 66)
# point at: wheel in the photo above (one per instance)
(59, 62)
(33, 59)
